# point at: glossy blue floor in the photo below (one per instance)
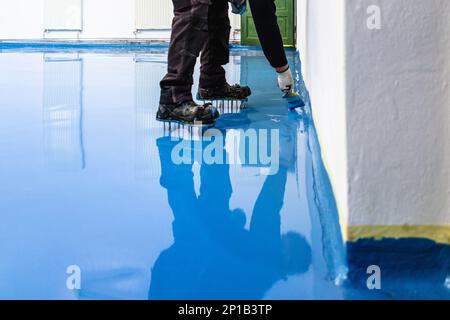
(89, 186)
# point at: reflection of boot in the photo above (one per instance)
(171, 174)
(224, 92)
(178, 181)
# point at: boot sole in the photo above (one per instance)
(218, 98)
(185, 123)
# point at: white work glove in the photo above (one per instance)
(286, 80)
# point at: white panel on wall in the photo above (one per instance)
(149, 71)
(63, 109)
(153, 15)
(63, 15)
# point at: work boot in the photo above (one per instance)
(188, 113)
(224, 92)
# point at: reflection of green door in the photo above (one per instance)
(286, 18)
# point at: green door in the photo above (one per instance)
(286, 21)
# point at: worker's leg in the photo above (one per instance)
(264, 15)
(189, 33)
(215, 54)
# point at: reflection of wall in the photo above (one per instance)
(63, 136)
(326, 216)
(149, 70)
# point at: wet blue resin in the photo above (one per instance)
(86, 179)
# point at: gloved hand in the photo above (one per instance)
(238, 6)
(286, 81)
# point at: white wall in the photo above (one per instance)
(116, 22)
(381, 101)
(21, 19)
(102, 19)
(398, 113)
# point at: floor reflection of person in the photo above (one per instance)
(213, 256)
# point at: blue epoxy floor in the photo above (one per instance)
(87, 180)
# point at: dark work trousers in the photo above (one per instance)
(264, 15)
(199, 26)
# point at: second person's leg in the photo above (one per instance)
(216, 49)
(216, 54)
